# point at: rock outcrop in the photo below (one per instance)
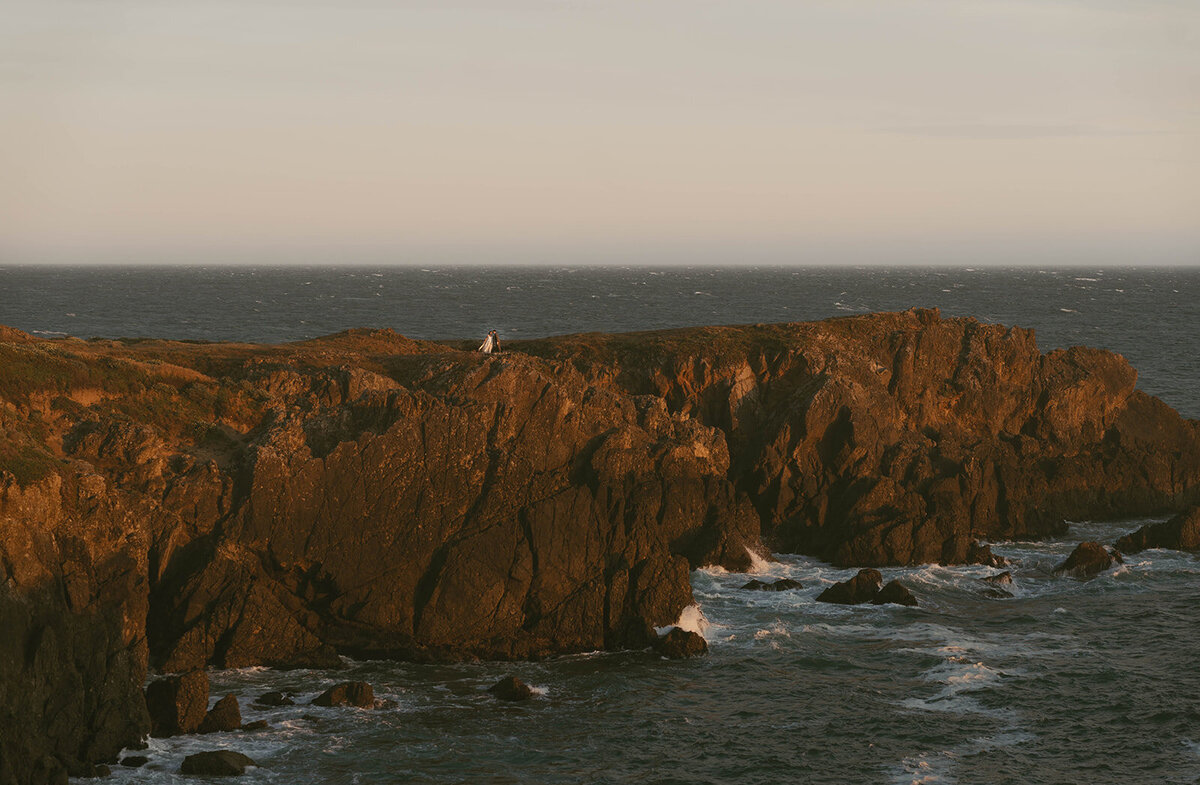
(895, 593)
(177, 703)
(863, 587)
(1181, 533)
(510, 688)
(783, 584)
(349, 693)
(225, 715)
(1088, 560)
(184, 504)
(680, 644)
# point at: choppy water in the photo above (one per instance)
(1066, 682)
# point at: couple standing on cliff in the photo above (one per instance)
(491, 343)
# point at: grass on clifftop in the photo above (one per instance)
(26, 463)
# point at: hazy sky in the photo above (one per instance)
(846, 131)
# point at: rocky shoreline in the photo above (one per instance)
(175, 505)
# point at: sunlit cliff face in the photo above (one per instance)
(933, 131)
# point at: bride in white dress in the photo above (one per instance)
(491, 343)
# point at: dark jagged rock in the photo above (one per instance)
(999, 579)
(177, 703)
(218, 763)
(257, 725)
(679, 644)
(368, 495)
(1087, 560)
(510, 688)
(225, 715)
(349, 693)
(783, 584)
(894, 593)
(1181, 533)
(982, 554)
(863, 587)
(274, 699)
(134, 761)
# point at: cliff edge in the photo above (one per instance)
(186, 504)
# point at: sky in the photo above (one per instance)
(622, 131)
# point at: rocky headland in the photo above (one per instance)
(173, 505)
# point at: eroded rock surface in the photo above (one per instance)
(349, 693)
(1088, 560)
(895, 593)
(188, 504)
(863, 587)
(177, 703)
(225, 715)
(510, 688)
(1181, 533)
(680, 644)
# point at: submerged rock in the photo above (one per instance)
(894, 593)
(177, 703)
(219, 763)
(999, 579)
(996, 581)
(274, 698)
(350, 693)
(510, 688)
(982, 554)
(225, 715)
(1181, 533)
(783, 584)
(1088, 560)
(680, 644)
(863, 587)
(134, 761)
(255, 726)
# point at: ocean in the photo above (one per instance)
(1065, 682)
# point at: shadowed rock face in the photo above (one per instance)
(901, 438)
(1181, 533)
(226, 504)
(1088, 560)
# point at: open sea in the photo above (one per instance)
(1066, 682)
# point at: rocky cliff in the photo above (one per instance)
(183, 504)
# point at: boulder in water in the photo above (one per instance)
(680, 644)
(510, 688)
(349, 693)
(274, 699)
(177, 703)
(1181, 533)
(1088, 560)
(895, 593)
(783, 584)
(219, 763)
(979, 553)
(999, 579)
(225, 715)
(134, 761)
(257, 725)
(859, 589)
